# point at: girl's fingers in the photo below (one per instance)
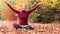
(41, 3)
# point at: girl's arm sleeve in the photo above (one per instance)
(16, 11)
(34, 8)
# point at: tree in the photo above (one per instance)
(6, 11)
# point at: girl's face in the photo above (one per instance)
(23, 7)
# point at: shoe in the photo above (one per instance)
(30, 27)
(24, 28)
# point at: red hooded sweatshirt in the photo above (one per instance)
(23, 15)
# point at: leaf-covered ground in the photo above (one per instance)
(7, 28)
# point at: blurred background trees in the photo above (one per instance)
(47, 13)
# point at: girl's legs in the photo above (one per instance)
(27, 27)
(17, 26)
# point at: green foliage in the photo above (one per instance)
(48, 17)
(45, 13)
(1, 18)
(33, 17)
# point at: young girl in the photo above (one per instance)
(23, 15)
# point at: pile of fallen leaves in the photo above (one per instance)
(7, 28)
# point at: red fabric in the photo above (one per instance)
(23, 15)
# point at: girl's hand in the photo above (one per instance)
(5, 1)
(41, 3)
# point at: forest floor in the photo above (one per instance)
(7, 28)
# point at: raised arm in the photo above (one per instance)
(34, 8)
(16, 11)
